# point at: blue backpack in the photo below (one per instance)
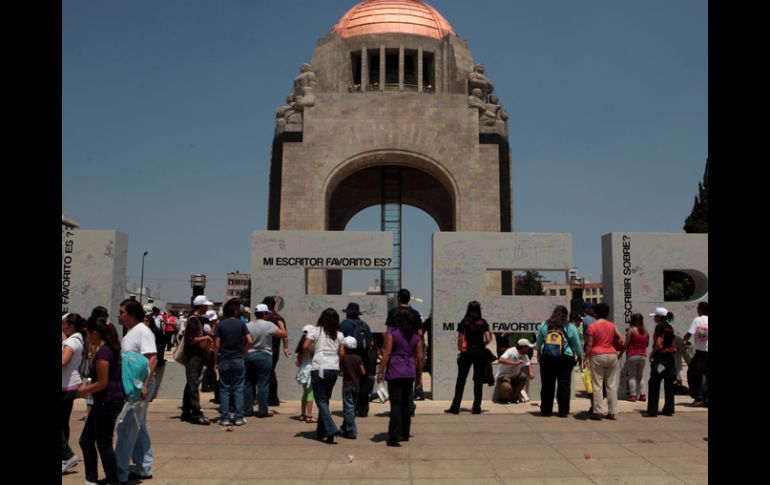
(134, 371)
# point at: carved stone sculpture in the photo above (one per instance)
(289, 114)
(477, 80)
(486, 117)
(303, 86)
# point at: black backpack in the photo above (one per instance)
(359, 333)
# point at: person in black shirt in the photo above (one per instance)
(277, 319)
(662, 366)
(474, 335)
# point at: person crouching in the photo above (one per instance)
(514, 373)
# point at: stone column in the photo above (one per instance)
(419, 69)
(401, 68)
(364, 70)
(382, 68)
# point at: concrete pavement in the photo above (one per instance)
(506, 444)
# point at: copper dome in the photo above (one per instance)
(393, 17)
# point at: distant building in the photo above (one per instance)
(592, 292)
(236, 283)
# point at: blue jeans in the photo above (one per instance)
(349, 401)
(258, 368)
(322, 391)
(231, 375)
(133, 439)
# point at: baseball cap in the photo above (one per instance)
(261, 308)
(349, 342)
(212, 315)
(660, 312)
(524, 343)
(307, 328)
(202, 300)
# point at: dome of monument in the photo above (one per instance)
(393, 17)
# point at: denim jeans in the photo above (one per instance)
(258, 367)
(231, 376)
(67, 398)
(322, 391)
(349, 401)
(133, 439)
(191, 399)
(97, 435)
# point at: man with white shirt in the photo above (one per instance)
(133, 442)
(514, 372)
(699, 363)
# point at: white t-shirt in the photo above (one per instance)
(139, 339)
(700, 333)
(70, 374)
(506, 370)
(326, 355)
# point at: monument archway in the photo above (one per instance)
(390, 180)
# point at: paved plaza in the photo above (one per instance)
(507, 444)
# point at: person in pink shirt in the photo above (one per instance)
(602, 345)
(637, 341)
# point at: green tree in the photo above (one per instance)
(245, 296)
(678, 286)
(698, 220)
(529, 283)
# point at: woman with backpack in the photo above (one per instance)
(558, 344)
(73, 327)
(107, 391)
(474, 335)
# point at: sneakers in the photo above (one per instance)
(697, 403)
(611, 417)
(452, 411)
(632, 399)
(240, 422)
(67, 465)
(596, 417)
(264, 415)
(643, 397)
(225, 422)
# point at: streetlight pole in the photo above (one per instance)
(141, 284)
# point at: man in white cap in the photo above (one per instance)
(194, 342)
(514, 373)
(259, 362)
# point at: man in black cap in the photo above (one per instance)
(354, 327)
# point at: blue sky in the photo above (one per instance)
(168, 111)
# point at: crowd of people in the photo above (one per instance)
(241, 354)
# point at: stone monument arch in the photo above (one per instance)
(392, 109)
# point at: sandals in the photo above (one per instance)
(310, 419)
(302, 417)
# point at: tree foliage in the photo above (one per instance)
(529, 283)
(698, 220)
(245, 296)
(678, 286)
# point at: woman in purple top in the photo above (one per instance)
(402, 355)
(107, 392)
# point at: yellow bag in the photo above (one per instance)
(587, 381)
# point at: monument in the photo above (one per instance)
(381, 115)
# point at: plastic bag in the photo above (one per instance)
(587, 381)
(381, 388)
